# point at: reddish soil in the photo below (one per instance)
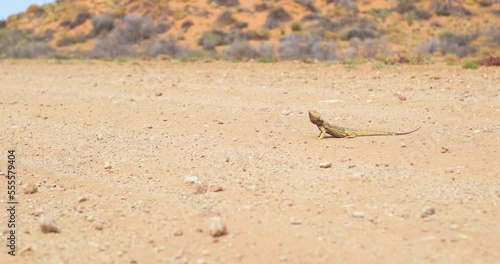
(109, 155)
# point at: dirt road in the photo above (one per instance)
(109, 146)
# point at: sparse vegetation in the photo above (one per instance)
(304, 46)
(71, 40)
(296, 26)
(241, 50)
(358, 28)
(458, 44)
(225, 18)
(80, 19)
(210, 39)
(167, 47)
(35, 10)
(110, 47)
(307, 4)
(490, 61)
(186, 25)
(338, 31)
(262, 34)
(449, 7)
(23, 44)
(470, 64)
(103, 23)
(134, 28)
(261, 7)
(276, 17)
(226, 3)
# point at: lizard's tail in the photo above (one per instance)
(406, 133)
(360, 133)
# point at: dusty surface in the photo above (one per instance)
(109, 157)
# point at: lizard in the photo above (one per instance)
(342, 132)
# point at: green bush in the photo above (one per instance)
(470, 64)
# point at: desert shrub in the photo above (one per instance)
(80, 19)
(422, 14)
(225, 18)
(32, 50)
(490, 61)
(380, 13)
(470, 64)
(266, 50)
(451, 59)
(261, 34)
(49, 35)
(307, 4)
(24, 43)
(9, 38)
(358, 28)
(261, 7)
(305, 46)
(485, 3)
(241, 50)
(3, 24)
(405, 6)
(186, 25)
(161, 28)
(371, 48)
(276, 17)
(165, 46)
(103, 23)
(70, 40)
(324, 22)
(296, 26)
(351, 6)
(495, 12)
(65, 23)
(110, 47)
(35, 10)
(447, 8)
(226, 3)
(134, 28)
(446, 43)
(210, 39)
(240, 25)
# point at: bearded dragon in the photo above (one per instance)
(342, 132)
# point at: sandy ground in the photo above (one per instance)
(109, 145)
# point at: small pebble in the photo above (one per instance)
(159, 94)
(216, 188)
(82, 199)
(107, 165)
(427, 212)
(178, 232)
(445, 150)
(200, 188)
(358, 215)
(325, 165)
(296, 221)
(217, 227)
(192, 179)
(30, 188)
(48, 225)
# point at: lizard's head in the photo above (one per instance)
(315, 117)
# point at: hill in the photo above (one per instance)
(299, 29)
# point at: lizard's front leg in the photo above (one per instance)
(322, 132)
